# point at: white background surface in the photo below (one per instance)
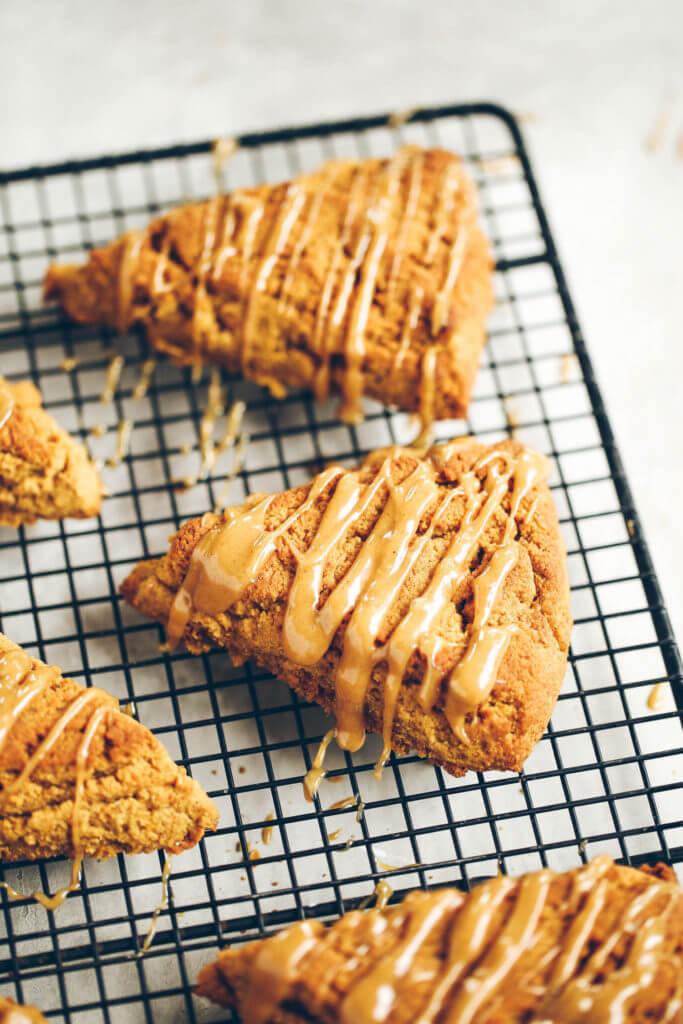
(80, 78)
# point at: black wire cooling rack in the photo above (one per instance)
(606, 778)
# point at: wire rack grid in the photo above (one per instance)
(606, 778)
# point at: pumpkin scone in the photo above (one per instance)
(44, 473)
(366, 277)
(81, 778)
(602, 944)
(423, 596)
(13, 1013)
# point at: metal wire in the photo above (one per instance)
(605, 778)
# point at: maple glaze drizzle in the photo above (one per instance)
(267, 830)
(131, 249)
(366, 264)
(207, 425)
(22, 679)
(111, 381)
(55, 901)
(344, 803)
(483, 936)
(316, 773)
(657, 696)
(233, 554)
(295, 199)
(123, 436)
(383, 893)
(142, 386)
(158, 910)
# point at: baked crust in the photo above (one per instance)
(134, 799)
(199, 282)
(341, 958)
(534, 606)
(44, 473)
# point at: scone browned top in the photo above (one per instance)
(423, 596)
(44, 473)
(364, 277)
(79, 777)
(602, 944)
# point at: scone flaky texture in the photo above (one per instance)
(44, 473)
(550, 947)
(134, 799)
(371, 275)
(533, 606)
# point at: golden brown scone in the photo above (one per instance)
(79, 777)
(13, 1013)
(422, 528)
(602, 944)
(44, 473)
(366, 277)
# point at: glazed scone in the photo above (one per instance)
(423, 596)
(44, 473)
(367, 277)
(602, 944)
(13, 1013)
(81, 778)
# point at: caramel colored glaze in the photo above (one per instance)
(55, 901)
(420, 579)
(344, 803)
(599, 945)
(123, 436)
(657, 696)
(161, 906)
(312, 283)
(230, 557)
(13, 1013)
(383, 893)
(76, 774)
(144, 380)
(316, 773)
(111, 380)
(44, 473)
(267, 830)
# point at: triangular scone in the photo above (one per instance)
(422, 596)
(367, 277)
(44, 473)
(598, 945)
(13, 1013)
(79, 777)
